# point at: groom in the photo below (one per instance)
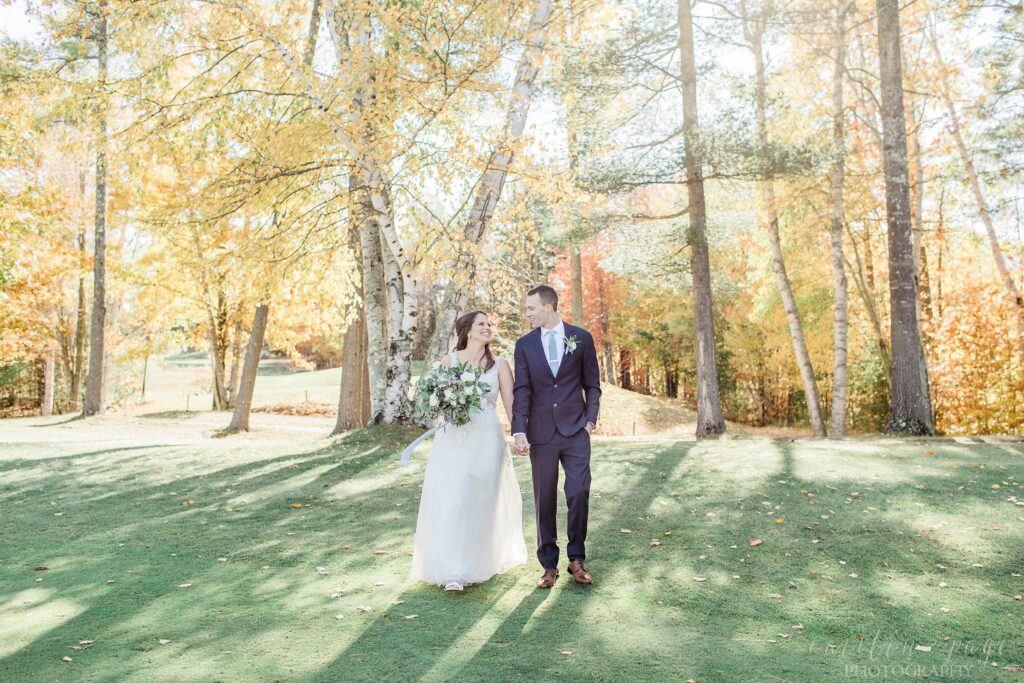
(557, 396)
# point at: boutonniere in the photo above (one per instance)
(570, 343)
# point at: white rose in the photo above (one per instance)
(470, 391)
(468, 377)
(436, 365)
(449, 395)
(434, 401)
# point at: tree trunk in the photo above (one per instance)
(77, 373)
(625, 369)
(373, 298)
(46, 408)
(840, 325)
(867, 298)
(456, 296)
(236, 365)
(609, 360)
(709, 408)
(911, 409)
(93, 402)
(401, 326)
(1013, 292)
(218, 351)
(314, 29)
(576, 269)
(353, 406)
(754, 28)
(243, 404)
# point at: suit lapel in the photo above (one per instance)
(539, 348)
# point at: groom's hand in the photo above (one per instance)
(590, 427)
(522, 445)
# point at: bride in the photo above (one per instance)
(470, 522)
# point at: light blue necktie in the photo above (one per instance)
(553, 360)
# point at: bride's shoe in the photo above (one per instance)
(454, 586)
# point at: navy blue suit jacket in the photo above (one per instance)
(543, 403)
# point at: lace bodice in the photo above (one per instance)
(491, 377)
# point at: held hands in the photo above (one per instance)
(522, 445)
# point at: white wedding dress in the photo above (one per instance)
(470, 522)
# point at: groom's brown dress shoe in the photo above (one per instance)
(548, 580)
(579, 574)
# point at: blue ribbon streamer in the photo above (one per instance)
(407, 453)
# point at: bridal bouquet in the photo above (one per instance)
(453, 393)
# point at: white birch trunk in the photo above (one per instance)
(496, 170)
(754, 30)
(837, 176)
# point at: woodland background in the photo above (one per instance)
(825, 194)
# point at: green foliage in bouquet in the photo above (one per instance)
(452, 393)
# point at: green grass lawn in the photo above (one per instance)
(152, 532)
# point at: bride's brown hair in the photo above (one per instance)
(462, 328)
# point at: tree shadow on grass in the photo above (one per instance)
(111, 570)
(644, 619)
(475, 635)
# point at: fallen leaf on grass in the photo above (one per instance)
(655, 543)
(66, 658)
(163, 641)
(625, 531)
(380, 552)
(774, 595)
(797, 627)
(184, 585)
(923, 648)
(296, 505)
(39, 569)
(364, 608)
(754, 542)
(780, 520)
(410, 616)
(322, 571)
(566, 652)
(398, 602)
(700, 579)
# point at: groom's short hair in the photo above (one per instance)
(547, 295)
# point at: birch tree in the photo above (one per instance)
(496, 169)
(754, 28)
(1013, 292)
(837, 180)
